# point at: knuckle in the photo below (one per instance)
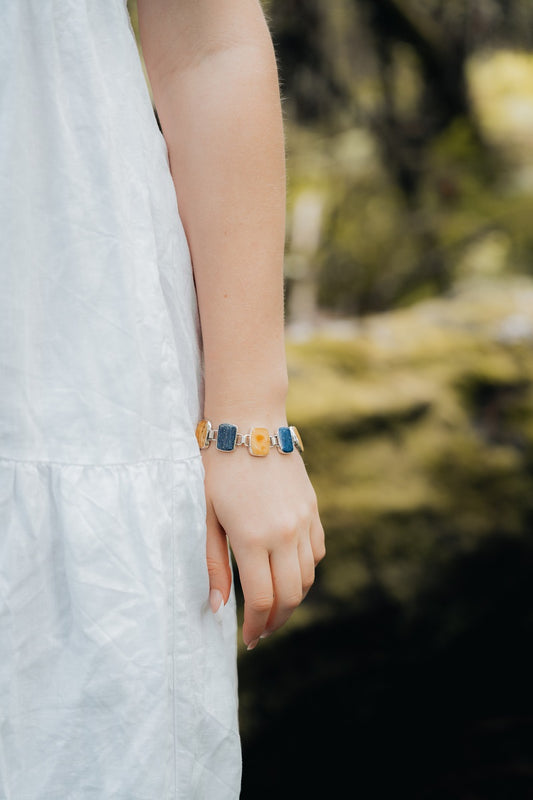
(293, 600)
(287, 530)
(314, 504)
(261, 603)
(289, 525)
(255, 538)
(308, 582)
(214, 566)
(320, 553)
(304, 514)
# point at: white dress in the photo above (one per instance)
(117, 682)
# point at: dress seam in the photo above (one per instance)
(53, 463)
(173, 643)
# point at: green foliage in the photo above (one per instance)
(419, 440)
(377, 251)
(419, 435)
(441, 110)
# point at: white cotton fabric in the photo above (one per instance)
(117, 682)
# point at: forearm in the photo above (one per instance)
(214, 79)
(221, 118)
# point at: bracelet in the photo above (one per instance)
(258, 440)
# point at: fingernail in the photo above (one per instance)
(265, 634)
(215, 600)
(252, 644)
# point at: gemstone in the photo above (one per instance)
(296, 438)
(285, 444)
(202, 431)
(259, 442)
(226, 437)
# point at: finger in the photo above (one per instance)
(307, 564)
(257, 589)
(218, 563)
(287, 579)
(317, 539)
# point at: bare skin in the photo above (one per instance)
(213, 74)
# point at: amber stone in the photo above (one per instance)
(202, 430)
(259, 442)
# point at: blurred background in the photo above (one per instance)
(409, 281)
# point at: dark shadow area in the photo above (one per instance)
(427, 701)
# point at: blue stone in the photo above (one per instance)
(285, 443)
(226, 437)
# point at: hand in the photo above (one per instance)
(268, 510)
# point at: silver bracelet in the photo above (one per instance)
(257, 440)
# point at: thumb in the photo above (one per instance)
(218, 564)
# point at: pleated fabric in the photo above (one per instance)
(117, 682)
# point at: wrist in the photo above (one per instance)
(248, 418)
(248, 405)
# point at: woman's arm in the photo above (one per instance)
(214, 80)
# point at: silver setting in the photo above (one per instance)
(244, 439)
(295, 440)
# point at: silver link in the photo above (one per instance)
(244, 439)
